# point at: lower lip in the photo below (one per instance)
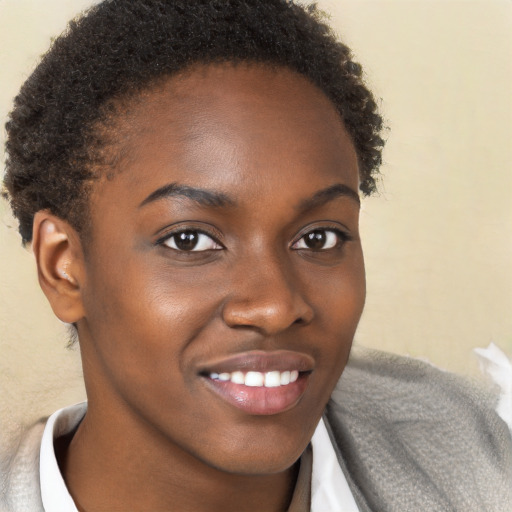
(260, 400)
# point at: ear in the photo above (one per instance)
(60, 266)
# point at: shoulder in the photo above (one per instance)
(413, 433)
(384, 378)
(19, 469)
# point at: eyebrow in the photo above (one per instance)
(209, 198)
(201, 196)
(328, 194)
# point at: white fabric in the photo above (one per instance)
(329, 488)
(495, 364)
(54, 492)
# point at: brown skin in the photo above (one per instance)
(149, 316)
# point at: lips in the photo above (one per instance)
(260, 383)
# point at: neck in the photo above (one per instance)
(121, 465)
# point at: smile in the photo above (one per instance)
(258, 379)
(260, 383)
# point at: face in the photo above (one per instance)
(224, 277)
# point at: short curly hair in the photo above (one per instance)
(120, 47)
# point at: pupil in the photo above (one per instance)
(315, 239)
(186, 241)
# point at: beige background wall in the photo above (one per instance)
(438, 238)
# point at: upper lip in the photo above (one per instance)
(260, 361)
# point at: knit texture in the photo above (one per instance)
(19, 474)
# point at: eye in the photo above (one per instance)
(320, 240)
(191, 241)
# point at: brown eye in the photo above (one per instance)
(315, 240)
(186, 241)
(320, 240)
(191, 241)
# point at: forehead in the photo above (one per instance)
(246, 127)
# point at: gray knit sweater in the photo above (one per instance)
(409, 438)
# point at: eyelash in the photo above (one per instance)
(341, 238)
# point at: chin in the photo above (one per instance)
(272, 454)
(258, 465)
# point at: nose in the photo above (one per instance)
(266, 297)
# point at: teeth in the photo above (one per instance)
(253, 379)
(272, 379)
(238, 378)
(285, 378)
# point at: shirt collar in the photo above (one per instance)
(329, 487)
(54, 493)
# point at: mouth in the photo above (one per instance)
(260, 383)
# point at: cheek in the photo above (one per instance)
(141, 329)
(339, 295)
(339, 292)
(145, 319)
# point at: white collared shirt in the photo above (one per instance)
(329, 488)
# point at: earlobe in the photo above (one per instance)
(59, 259)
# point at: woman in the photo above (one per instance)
(188, 176)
